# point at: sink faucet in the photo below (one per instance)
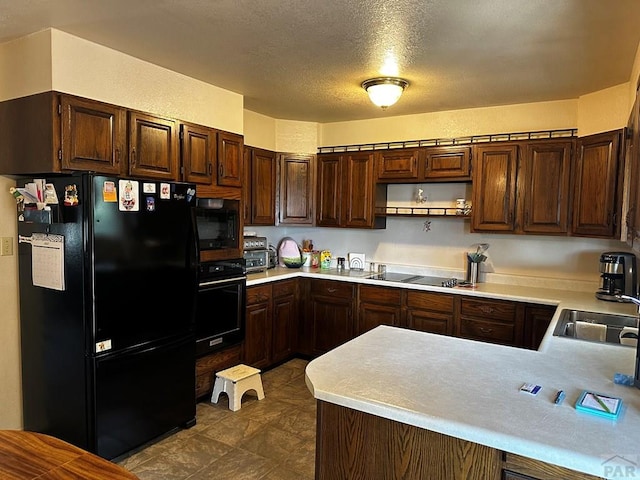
(633, 300)
(636, 377)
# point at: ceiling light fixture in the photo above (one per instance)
(384, 91)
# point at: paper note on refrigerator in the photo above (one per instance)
(47, 260)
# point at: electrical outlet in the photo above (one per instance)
(6, 246)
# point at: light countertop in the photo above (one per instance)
(471, 390)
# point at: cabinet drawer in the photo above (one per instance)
(492, 310)
(258, 294)
(437, 302)
(287, 287)
(381, 295)
(488, 331)
(332, 288)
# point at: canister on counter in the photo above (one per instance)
(315, 259)
(325, 259)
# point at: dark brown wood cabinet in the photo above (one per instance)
(398, 165)
(424, 164)
(544, 177)
(230, 156)
(597, 173)
(208, 365)
(284, 320)
(330, 312)
(347, 193)
(198, 147)
(447, 164)
(153, 147)
(297, 181)
(431, 312)
(94, 136)
(522, 187)
(517, 467)
(632, 175)
(379, 306)
(494, 321)
(259, 189)
(271, 321)
(494, 187)
(536, 322)
(256, 350)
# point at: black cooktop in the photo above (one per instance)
(416, 279)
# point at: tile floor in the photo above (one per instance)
(270, 439)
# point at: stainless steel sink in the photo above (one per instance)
(597, 327)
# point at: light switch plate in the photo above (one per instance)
(6, 246)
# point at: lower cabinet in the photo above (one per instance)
(271, 317)
(431, 312)
(536, 322)
(330, 314)
(208, 365)
(495, 321)
(379, 306)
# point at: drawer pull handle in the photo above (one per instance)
(486, 330)
(485, 309)
(332, 290)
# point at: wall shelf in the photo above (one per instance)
(421, 212)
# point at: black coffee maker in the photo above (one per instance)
(618, 274)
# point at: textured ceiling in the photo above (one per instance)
(305, 59)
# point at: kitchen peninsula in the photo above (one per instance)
(456, 398)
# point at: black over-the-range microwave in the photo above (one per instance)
(218, 223)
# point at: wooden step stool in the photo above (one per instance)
(235, 381)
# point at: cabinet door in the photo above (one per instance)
(544, 187)
(332, 323)
(198, 149)
(494, 188)
(331, 314)
(263, 187)
(246, 185)
(93, 136)
(493, 321)
(399, 164)
(257, 341)
(297, 189)
(536, 322)
(285, 314)
(378, 306)
(451, 163)
(230, 150)
(329, 191)
(358, 193)
(430, 312)
(595, 196)
(153, 147)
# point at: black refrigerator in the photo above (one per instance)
(108, 281)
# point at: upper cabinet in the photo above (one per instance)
(632, 176)
(198, 152)
(544, 186)
(259, 190)
(53, 132)
(424, 164)
(153, 147)
(494, 187)
(94, 136)
(551, 187)
(347, 193)
(296, 190)
(597, 191)
(230, 152)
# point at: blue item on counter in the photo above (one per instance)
(623, 379)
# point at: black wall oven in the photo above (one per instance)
(220, 306)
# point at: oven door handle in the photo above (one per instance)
(221, 282)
